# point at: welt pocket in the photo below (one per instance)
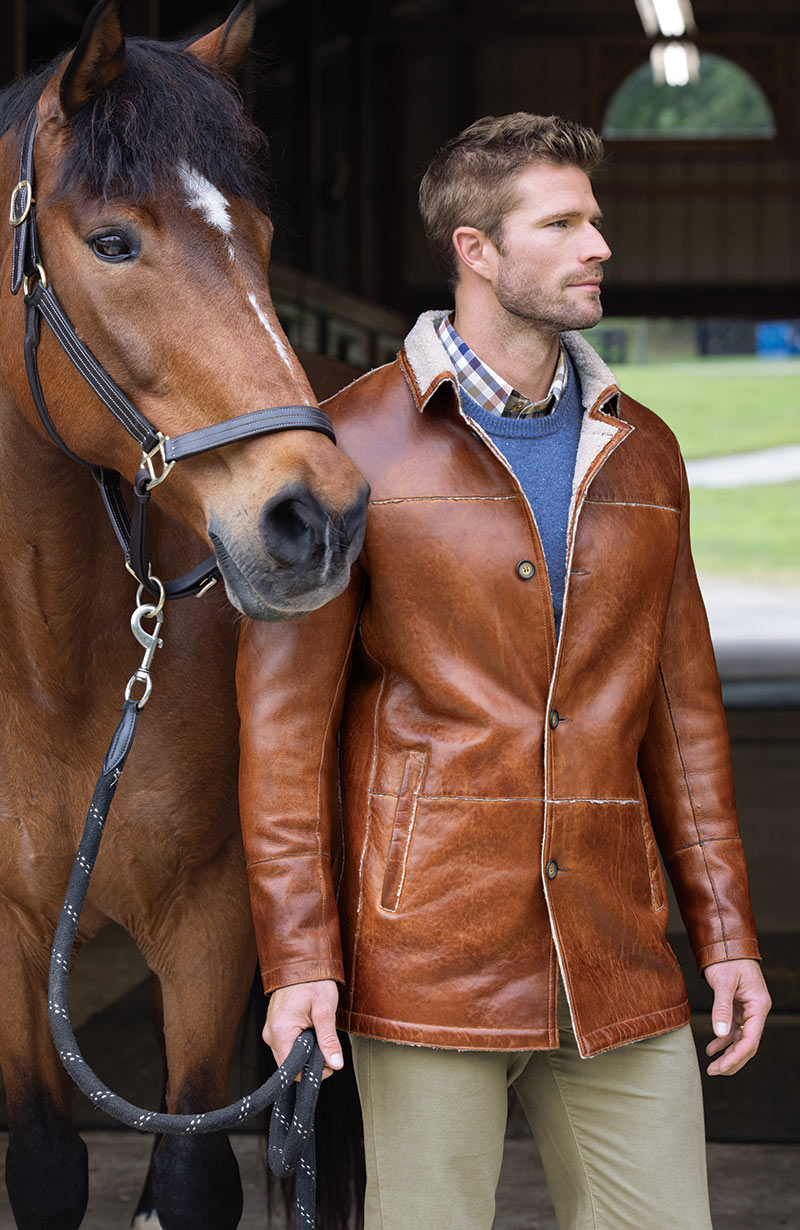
(405, 816)
(657, 888)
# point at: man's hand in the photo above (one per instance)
(741, 1004)
(295, 1008)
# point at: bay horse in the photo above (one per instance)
(150, 211)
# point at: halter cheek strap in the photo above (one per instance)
(22, 215)
(157, 449)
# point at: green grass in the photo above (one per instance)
(737, 405)
(718, 406)
(748, 531)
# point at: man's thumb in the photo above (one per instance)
(722, 1012)
(329, 1045)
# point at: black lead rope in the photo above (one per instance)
(291, 1133)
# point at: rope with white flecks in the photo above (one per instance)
(291, 1133)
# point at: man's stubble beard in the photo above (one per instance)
(524, 301)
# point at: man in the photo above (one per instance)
(523, 687)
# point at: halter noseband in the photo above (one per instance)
(157, 449)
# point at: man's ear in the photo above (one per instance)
(98, 59)
(474, 250)
(224, 47)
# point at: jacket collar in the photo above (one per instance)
(427, 366)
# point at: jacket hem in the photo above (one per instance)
(446, 1037)
(636, 1029)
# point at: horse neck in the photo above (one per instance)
(60, 594)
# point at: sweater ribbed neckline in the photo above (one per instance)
(522, 428)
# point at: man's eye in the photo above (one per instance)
(111, 247)
(559, 222)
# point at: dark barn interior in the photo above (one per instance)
(356, 97)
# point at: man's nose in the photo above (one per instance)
(595, 247)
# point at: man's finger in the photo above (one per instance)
(738, 1053)
(280, 1050)
(281, 1040)
(716, 1045)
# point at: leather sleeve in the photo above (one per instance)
(290, 683)
(685, 766)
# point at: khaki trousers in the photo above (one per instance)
(621, 1136)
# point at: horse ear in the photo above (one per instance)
(224, 47)
(98, 59)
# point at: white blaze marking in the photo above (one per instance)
(209, 201)
(206, 199)
(279, 346)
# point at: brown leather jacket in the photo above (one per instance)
(503, 797)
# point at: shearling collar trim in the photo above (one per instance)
(427, 365)
(596, 378)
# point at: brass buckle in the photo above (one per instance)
(14, 218)
(147, 462)
(26, 280)
(210, 583)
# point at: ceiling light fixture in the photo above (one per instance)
(669, 18)
(674, 63)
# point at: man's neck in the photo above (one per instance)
(523, 355)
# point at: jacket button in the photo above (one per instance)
(551, 870)
(525, 569)
(554, 718)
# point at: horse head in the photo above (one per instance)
(153, 233)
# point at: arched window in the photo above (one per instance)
(724, 103)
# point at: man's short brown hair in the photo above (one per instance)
(470, 181)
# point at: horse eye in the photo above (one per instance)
(111, 247)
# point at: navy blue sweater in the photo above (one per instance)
(541, 452)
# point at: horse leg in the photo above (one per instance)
(145, 1217)
(204, 956)
(46, 1164)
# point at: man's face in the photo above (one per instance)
(549, 258)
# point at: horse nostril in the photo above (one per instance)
(354, 520)
(292, 525)
(296, 529)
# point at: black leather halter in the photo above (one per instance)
(157, 449)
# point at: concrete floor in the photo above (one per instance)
(753, 1187)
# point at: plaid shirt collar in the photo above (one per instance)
(491, 391)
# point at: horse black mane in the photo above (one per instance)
(167, 108)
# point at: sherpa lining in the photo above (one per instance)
(595, 435)
(430, 363)
(595, 377)
(427, 358)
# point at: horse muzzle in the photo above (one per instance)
(299, 558)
